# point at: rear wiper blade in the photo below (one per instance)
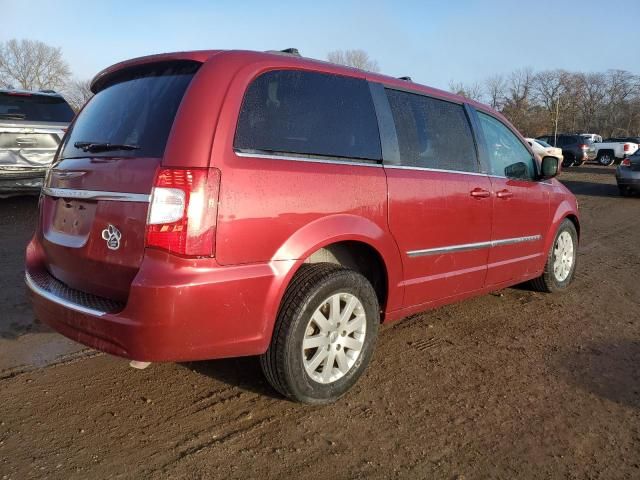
(104, 147)
(13, 116)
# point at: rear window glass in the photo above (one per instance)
(309, 113)
(35, 108)
(137, 108)
(543, 143)
(432, 133)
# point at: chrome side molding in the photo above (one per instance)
(95, 195)
(472, 246)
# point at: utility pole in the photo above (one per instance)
(555, 133)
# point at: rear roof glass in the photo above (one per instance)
(137, 107)
(34, 107)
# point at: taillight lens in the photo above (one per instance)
(626, 162)
(183, 211)
(627, 147)
(583, 147)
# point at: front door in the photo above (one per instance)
(520, 205)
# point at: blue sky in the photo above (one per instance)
(433, 42)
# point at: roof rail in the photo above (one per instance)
(287, 51)
(406, 79)
(46, 90)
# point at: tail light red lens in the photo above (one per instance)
(627, 147)
(626, 162)
(583, 147)
(183, 211)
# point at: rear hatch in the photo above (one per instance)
(95, 202)
(31, 127)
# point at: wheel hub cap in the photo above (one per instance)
(334, 338)
(563, 256)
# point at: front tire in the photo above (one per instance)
(561, 260)
(324, 335)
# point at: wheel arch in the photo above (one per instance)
(346, 239)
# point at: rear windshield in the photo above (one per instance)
(35, 108)
(543, 143)
(137, 109)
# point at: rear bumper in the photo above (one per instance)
(177, 310)
(14, 182)
(628, 178)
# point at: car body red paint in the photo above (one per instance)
(272, 214)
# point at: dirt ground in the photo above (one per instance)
(511, 385)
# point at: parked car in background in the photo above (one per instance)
(216, 204)
(623, 140)
(628, 175)
(31, 127)
(543, 149)
(594, 137)
(576, 149)
(610, 152)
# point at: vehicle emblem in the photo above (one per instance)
(112, 235)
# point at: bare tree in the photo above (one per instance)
(354, 58)
(472, 91)
(32, 65)
(495, 88)
(77, 93)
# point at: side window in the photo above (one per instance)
(432, 133)
(508, 157)
(292, 111)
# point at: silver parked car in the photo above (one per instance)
(628, 175)
(31, 127)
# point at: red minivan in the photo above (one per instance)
(216, 204)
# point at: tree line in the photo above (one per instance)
(606, 103)
(34, 65)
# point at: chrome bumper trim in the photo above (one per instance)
(60, 301)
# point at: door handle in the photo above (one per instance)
(480, 193)
(504, 194)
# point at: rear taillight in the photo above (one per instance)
(627, 147)
(583, 147)
(183, 211)
(626, 162)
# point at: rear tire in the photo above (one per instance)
(606, 159)
(624, 191)
(561, 261)
(315, 312)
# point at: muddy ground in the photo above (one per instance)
(511, 385)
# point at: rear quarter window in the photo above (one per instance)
(308, 113)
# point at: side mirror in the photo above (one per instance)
(516, 170)
(550, 167)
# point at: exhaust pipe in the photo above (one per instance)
(139, 365)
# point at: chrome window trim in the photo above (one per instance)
(441, 170)
(60, 301)
(331, 161)
(95, 195)
(472, 246)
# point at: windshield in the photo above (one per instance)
(34, 107)
(543, 143)
(136, 110)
